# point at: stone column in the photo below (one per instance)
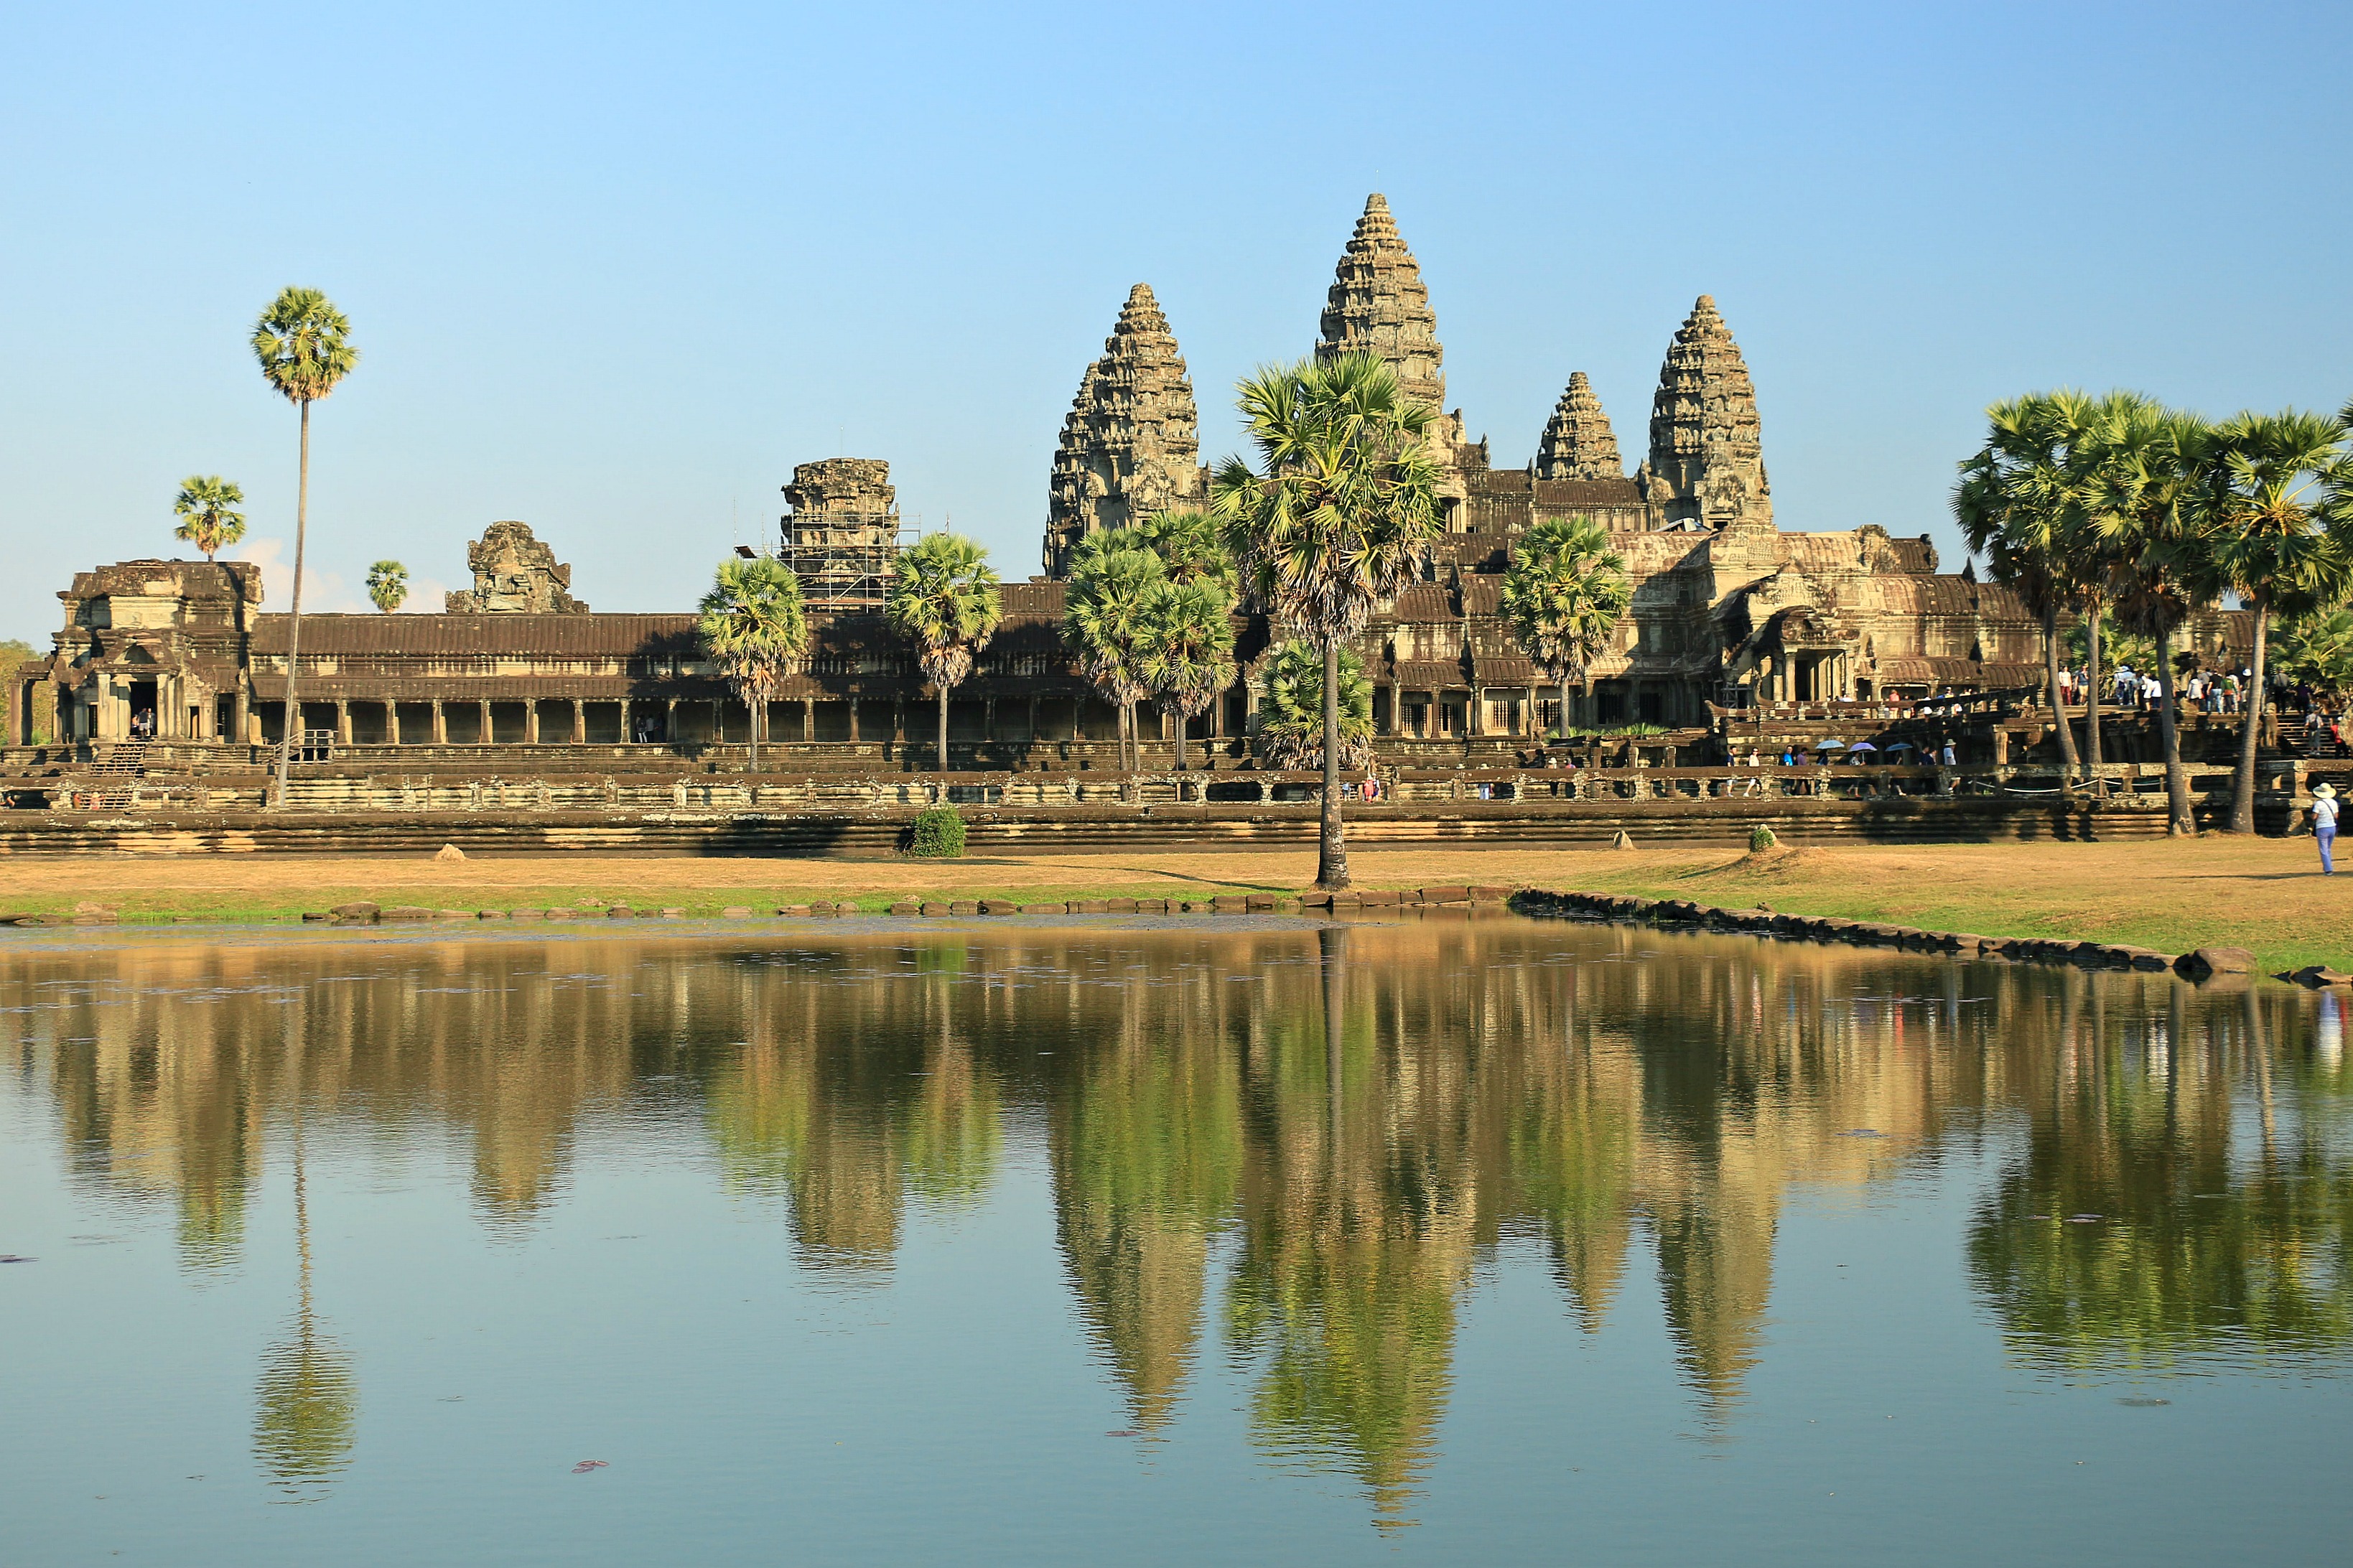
(440, 724)
(669, 721)
(530, 721)
(391, 723)
(853, 716)
(579, 723)
(627, 734)
(343, 722)
(483, 735)
(808, 718)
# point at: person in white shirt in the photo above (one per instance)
(2324, 825)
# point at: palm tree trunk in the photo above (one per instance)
(2179, 821)
(2242, 792)
(1182, 718)
(1564, 709)
(291, 726)
(752, 712)
(1332, 852)
(2092, 697)
(943, 793)
(2051, 680)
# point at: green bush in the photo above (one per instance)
(938, 832)
(1761, 838)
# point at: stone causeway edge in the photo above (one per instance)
(2201, 963)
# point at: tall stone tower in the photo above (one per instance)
(841, 537)
(1707, 465)
(1578, 441)
(1132, 442)
(1379, 305)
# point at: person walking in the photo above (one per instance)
(2324, 825)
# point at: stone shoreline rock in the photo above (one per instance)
(2203, 964)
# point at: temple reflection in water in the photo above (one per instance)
(1292, 1147)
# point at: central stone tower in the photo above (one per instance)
(1379, 305)
(1132, 442)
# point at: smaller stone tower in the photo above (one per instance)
(1131, 444)
(1578, 441)
(513, 573)
(1706, 466)
(841, 536)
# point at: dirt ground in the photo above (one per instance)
(2264, 894)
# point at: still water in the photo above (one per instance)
(1435, 1240)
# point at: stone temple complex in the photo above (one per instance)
(1728, 609)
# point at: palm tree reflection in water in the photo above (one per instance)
(306, 1409)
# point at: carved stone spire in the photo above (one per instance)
(1379, 305)
(1708, 459)
(1578, 441)
(1131, 444)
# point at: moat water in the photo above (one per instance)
(1445, 1239)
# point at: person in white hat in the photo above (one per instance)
(2324, 823)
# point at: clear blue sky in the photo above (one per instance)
(614, 271)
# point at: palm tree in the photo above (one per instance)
(1187, 650)
(2285, 489)
(754, 629)
(2011, 504)
(206, 508)
(1339, 516)
(1290, 708)
(305, 345)
(2146, 502)
(1112, 576)
(1189, 545)
(944, 599)
(388, 584)
(1565, 593)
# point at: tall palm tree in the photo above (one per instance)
(1564, 594)
(304, 346)
(1339, 515)
(753, 627)
(1187, 650)
(2286, 504)
(944, 599)
(387, 585)
(2147, 504)
(1112, 577)
(206, 508)
(2118, 466)
(2013, 505)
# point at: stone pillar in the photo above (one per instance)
(579, 723)
(808, 718)
(899, 719)
(484, 732)
(853, 716)
(343, 722)
(440, 724)
(988, 717)
(530, 721)
(391, 723)
(627, 734)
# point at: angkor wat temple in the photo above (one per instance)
(1728, 609)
